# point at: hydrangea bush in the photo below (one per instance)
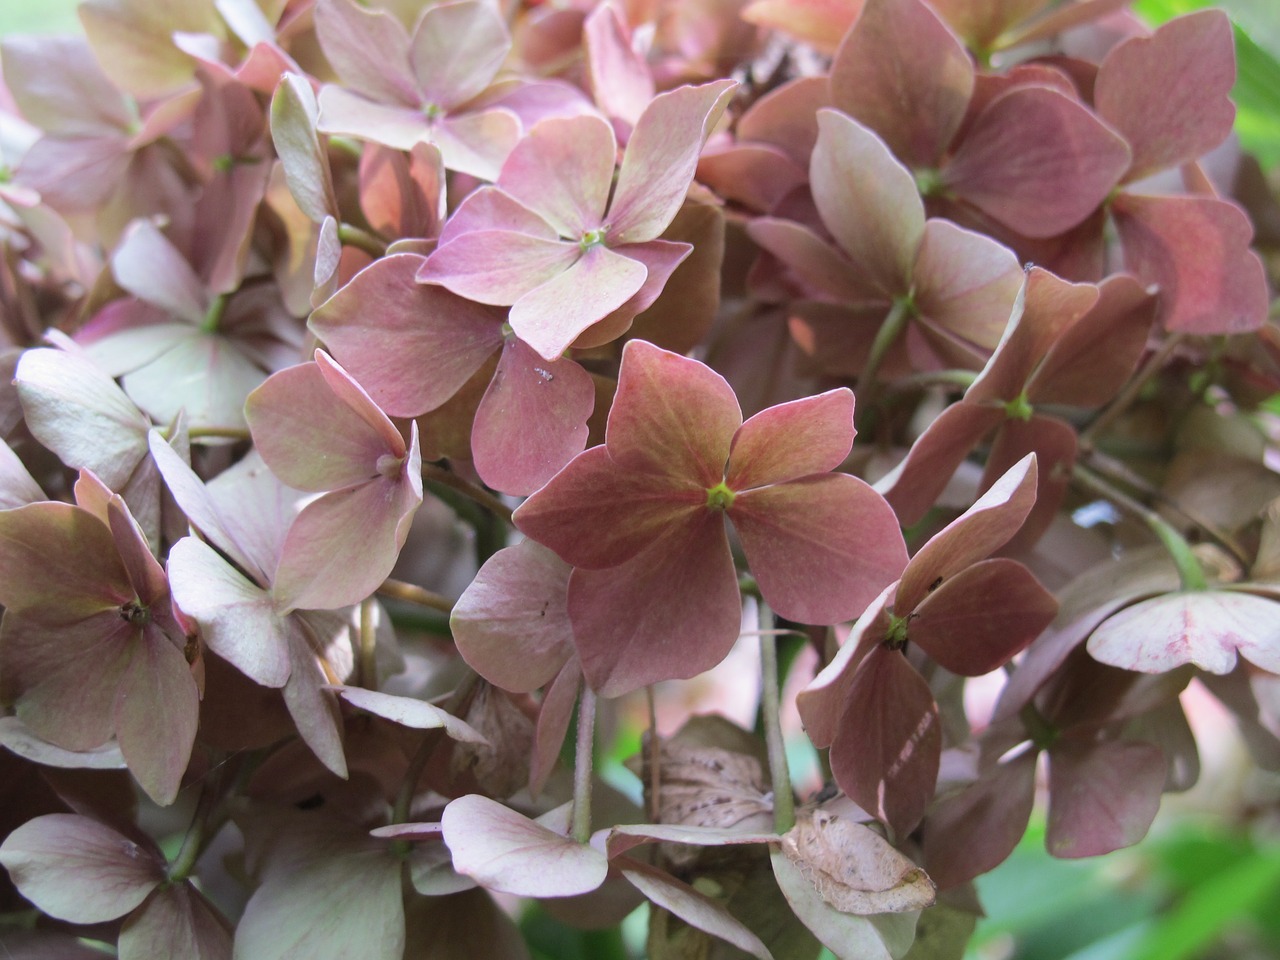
(392, 389)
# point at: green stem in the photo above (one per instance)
(353, 236)
(227, 433)
(456, 705)
(213, 316)
(368, 646)
(1189, 570)
(890, 330)
(198, 833)
(412, 593)
(582, 765)
(1038, 728)
(784, 810)
(447, 478)
(963, 379)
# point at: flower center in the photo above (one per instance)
(719, 497)
(389, 466)
(135, 613)
(593, 238)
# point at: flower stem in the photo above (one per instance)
(412, 593)
(456, 705)
(198, 834)
(353, 236)
(784, 812)
(1189, 570)
(582, 765)
(447, 478)
(368, 646)
(890, 330)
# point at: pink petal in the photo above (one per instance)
(554, 714)
(76, 869)
(497, 266)
(75, 175)
(18, 739)
(343, 113)
(820, 266)
(819, 22)
(562, 170)
(294, 120)
(1196, 250)
(409, 712)
(1037, 162)
(979, 532)
(831, 530)
(758, 176)
(411, 345)
(976, 621)
(510, 853)
(868, 201)
(792, 440)
(699, 295)
(617, 76)
(354, 396)
(880, 79)
(402, 196)
(1169, 94)
(60, 563)
(147, 265)
(1053, 441)
(885, 756)
(177, 922)
(661, 157)
(511, 624)
(1102, 796)
(671, 417)
(369, 50)
(966, 283)
(488, 208)
(457, 50)
(787, 117)
(58, 86)
(550, 317)
(532, 419)
(626, 641)
(478, 143)
(624, 510)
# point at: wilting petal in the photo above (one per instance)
(411, 345)
(369, 50)
(880, 78)
(661, 157)
(625, 511)
(885, 756)
(457, 50)
(562, 170)
(1196, 250)
(831, 529)
(671, 417)
(1037, 161)
(1102, 796)
(977, 620)
(966, 283)
(532, 420)
(792, 440)
(511, 624)
(77, 869)
(507, 852)
(1169, 94)
(497, 266)
(550, 317)
(626, 641)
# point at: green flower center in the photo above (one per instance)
(719, 497)
(895, 637)
(1019, 408)
(592, 238)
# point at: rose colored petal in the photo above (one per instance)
(511, 624)
(671, 417)
(787, 117)
(1102, 796)
(687, 308)
(868, 201)
(1206, 628)
(76, 869)
(1053, 441)
(1090, 362)
(882, 937)
(411, 345)
(913, 486)
(792, 440)
(758, 176)
(966, 283)
(369, 50)
(972, 832)
(151, 268)
(237, 619)
(980, 531)
(821, 703)
(592, 493)
(562, 170)
(354, 396)
(477, 144)
(79, 413)
(815, 262)
(830, 529)
(409, 712)
(819, 22)
(157, 683)
(133, 42)
(510, 853)
(885, 755)
(18, 739)
(294, 414)
(1047, 307)
(626, 641)
(497, 266)
(979, 619)
(294, 116)
(694, 908)
(60, 564)
(343, 113)
(618, 78)
(370, 521)
(457, 50)
(58, 86)
(1169, 94)
(1037, 162)
(532, 420)
(1196, 250)
(402, 196)
(554, 714)
(661, 157)
(880, 79)
(488, 208)
(176, 922)
(550, 317)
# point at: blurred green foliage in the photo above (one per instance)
(38, 16)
